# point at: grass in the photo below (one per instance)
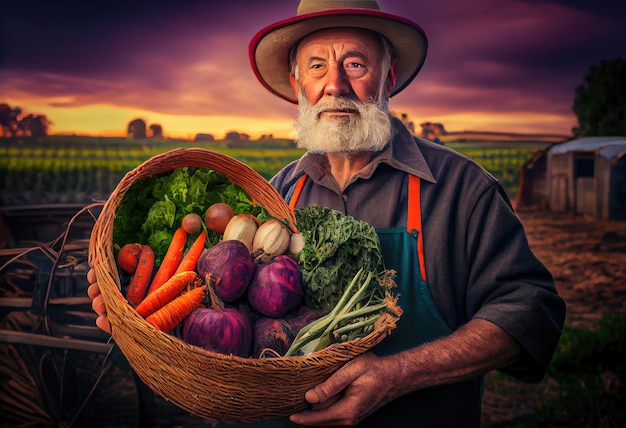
(585, 385)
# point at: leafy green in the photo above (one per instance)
(337, 247)
(153, 208)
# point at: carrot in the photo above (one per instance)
(170, 260)
(166, 293)
(172, 314)
(141, 278)
(191, 257)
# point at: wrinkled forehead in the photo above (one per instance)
(365, 39)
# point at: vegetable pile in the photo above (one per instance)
(199, 260)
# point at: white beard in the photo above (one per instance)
(368, 131)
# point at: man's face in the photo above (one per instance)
(342, 86)
(343, 63)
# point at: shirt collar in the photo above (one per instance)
(402, 154)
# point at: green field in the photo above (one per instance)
(67, 169)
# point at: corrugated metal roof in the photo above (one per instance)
(613, 151)
(588, 144)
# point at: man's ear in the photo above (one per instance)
(392, 75)
(294, 85)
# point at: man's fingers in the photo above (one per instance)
(333, 386)
(91, 276)
(93, 291)
(103, 323)
(97, 304)
(324, 404)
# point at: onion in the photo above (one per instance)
(217, 217)
(226, 331)
(272, 239)
(192, 223)
(230, 264)
(276, 287)
(242, 227)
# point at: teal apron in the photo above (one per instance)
(420, 321)
(402, 248)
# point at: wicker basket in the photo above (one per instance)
(207, 384)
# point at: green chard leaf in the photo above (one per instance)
(337, 247)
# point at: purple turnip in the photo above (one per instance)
(271, 333)
(226, 331)
(276, 287)
(230, 264)
(244, 307)
(303, 316)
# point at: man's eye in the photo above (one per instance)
(354, 65)
(316, 69)
(355, 69)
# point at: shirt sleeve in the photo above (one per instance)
(509, 286)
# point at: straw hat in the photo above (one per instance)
(270, 47)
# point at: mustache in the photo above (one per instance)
(341, 105)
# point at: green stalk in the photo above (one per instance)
(319, 335)
(316, 329)
(349, 328)
(356, 297)
(364, 311)
(323, 321)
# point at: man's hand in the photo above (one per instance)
(97, 302)
(369, 382)
(353, 392)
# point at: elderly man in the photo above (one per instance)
(474, 296)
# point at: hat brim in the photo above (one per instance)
(270, 47)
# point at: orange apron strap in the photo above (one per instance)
(296, 192)
(414, 219)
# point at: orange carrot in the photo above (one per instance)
(191, 257)
(166, 293)
(172, 314)
(141, 278)
(170, 260)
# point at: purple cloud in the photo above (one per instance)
(190, 57)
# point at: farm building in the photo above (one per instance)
(585, 176)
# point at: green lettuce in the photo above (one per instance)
(153, 208)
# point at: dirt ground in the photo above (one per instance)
(587, 257)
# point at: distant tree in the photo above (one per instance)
(14, 122)
(600, 102)
(9, 119)
(136, 129)
(35, 125)
(156, 131)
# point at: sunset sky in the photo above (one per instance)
(93, 66)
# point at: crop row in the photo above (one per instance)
(47, 175)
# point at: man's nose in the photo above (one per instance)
(337, 83)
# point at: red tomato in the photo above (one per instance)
(128, 257)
